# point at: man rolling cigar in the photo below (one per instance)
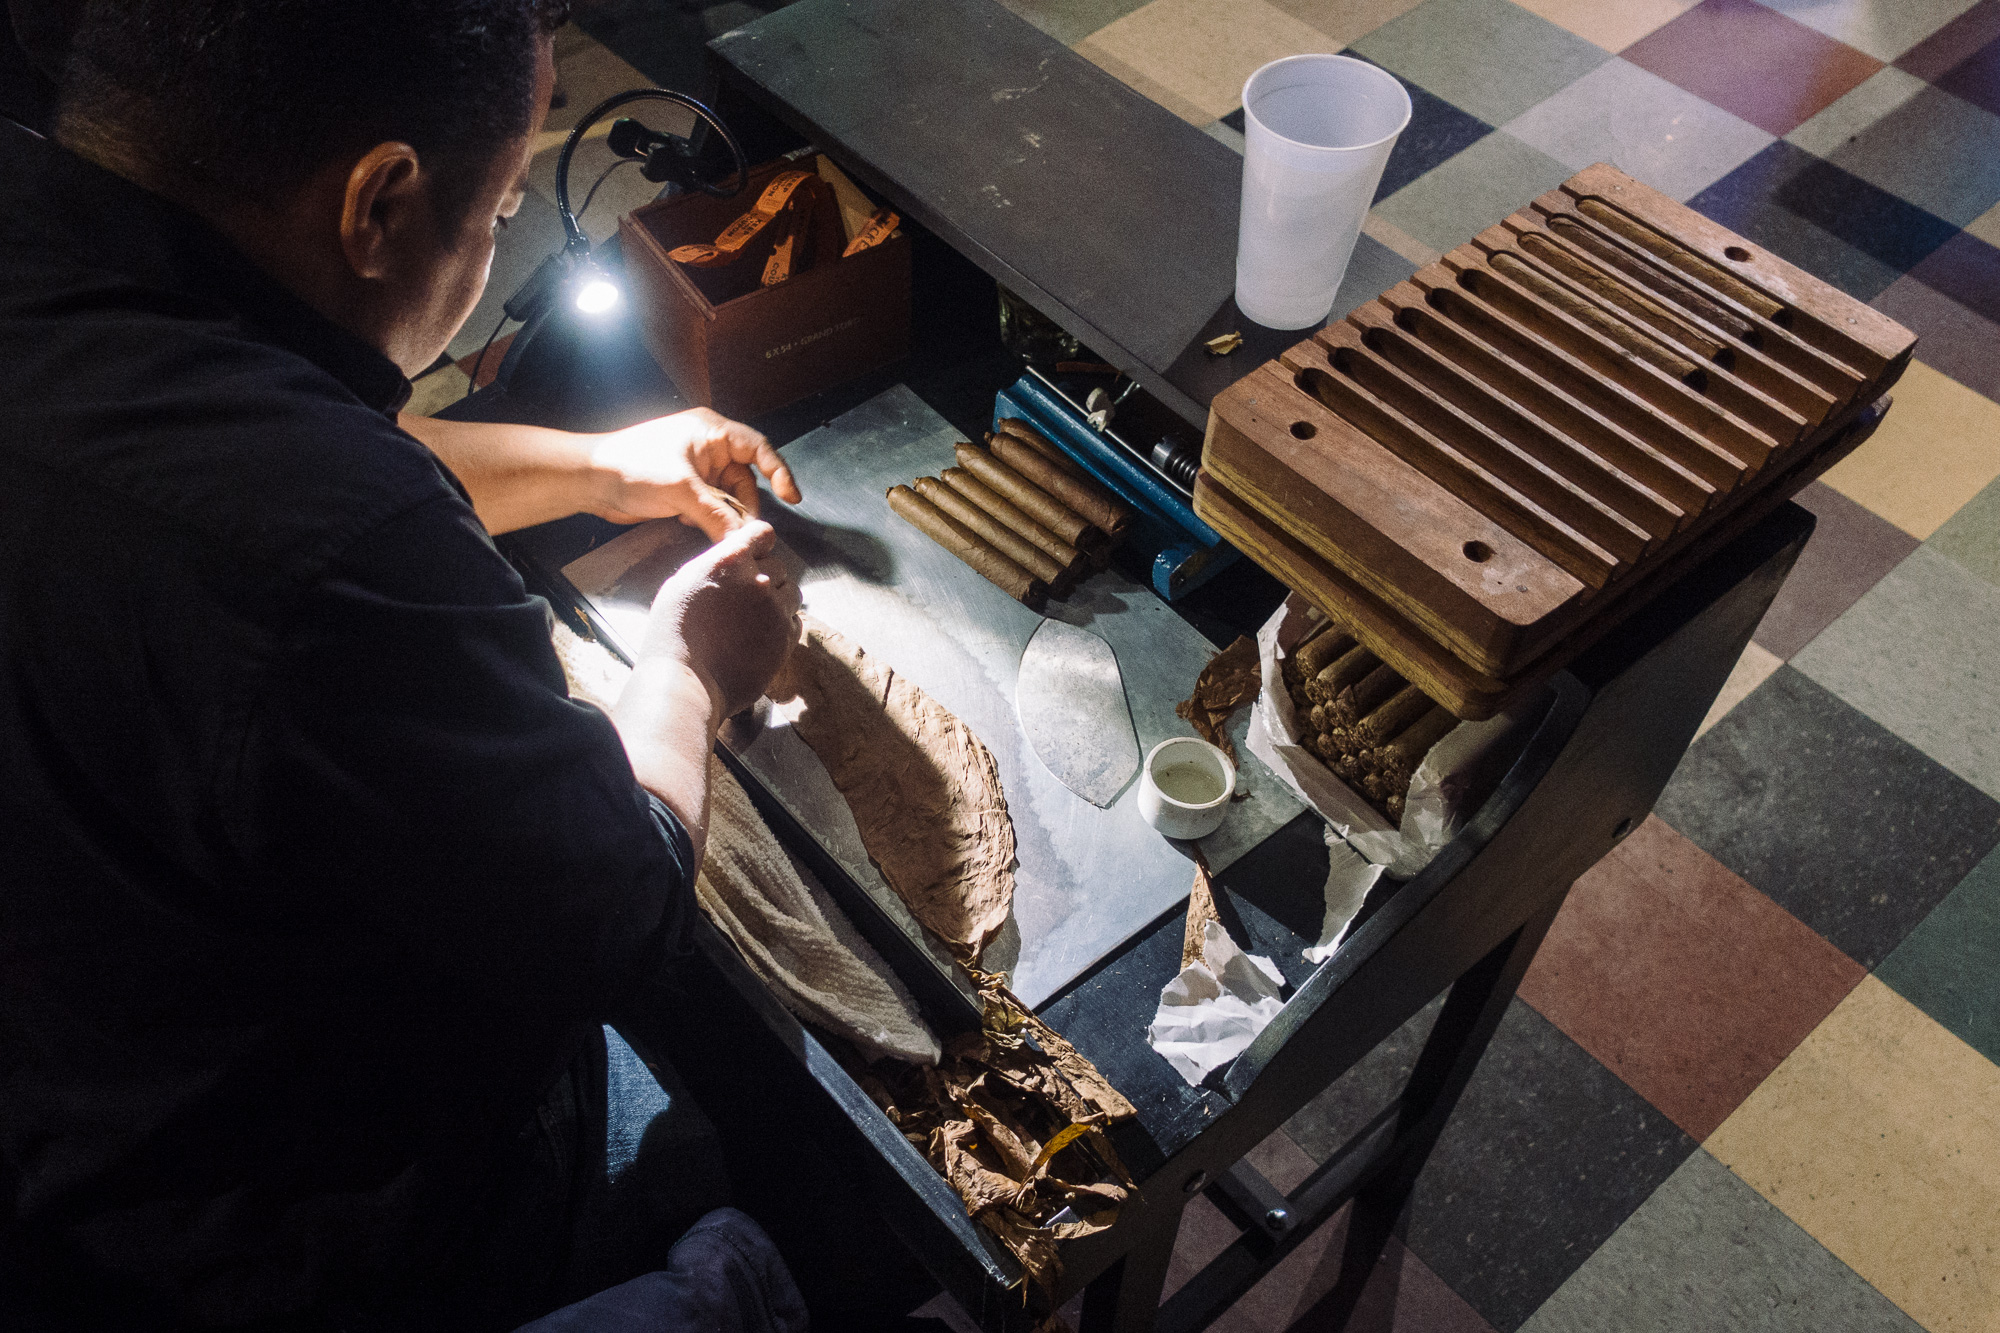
(318, 888)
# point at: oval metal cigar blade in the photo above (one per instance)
(1071, 700)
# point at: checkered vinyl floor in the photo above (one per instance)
(1750, 1082)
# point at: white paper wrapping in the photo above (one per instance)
(1215, 1008)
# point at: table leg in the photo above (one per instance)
(1125, 1298)
(1472, 1013)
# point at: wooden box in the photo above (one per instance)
(745, 349)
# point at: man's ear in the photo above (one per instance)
(384, 206)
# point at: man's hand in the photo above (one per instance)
(730, 615)
(719, 632)
(682, 467)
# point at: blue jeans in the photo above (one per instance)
(618, 1164)
(723, 1276)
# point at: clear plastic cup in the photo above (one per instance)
(1317, 132)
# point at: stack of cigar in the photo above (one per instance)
(1020, 511)
(1368, 724)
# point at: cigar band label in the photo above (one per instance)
(777, 197)
(878, 229)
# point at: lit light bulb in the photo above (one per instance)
(597, 296)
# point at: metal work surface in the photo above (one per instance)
(1088, 878)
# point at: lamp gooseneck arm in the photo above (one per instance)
(573, 238)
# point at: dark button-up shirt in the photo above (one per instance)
(310, 871)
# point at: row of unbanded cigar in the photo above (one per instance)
(1020, 511)
(1368, 724)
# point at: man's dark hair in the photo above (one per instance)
(234, 99)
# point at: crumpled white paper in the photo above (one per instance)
(1215, 1008)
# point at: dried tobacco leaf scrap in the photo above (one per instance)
(1229, 681)
(1201, 911)
(925, 793)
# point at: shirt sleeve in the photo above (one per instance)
(418, 784)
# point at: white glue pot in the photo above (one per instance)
(1185, 786)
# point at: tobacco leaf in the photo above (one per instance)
(980, 1186)
(1229, 681)
(925, 793)
(926, 797)
(1034, 1246)
(1201, 911)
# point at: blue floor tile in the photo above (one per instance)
(1745, 201)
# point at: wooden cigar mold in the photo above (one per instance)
(1482, 471)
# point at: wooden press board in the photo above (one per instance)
(1087, 878)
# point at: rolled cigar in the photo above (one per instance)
(1319, 652)
(1290, 669)
(1617, 330)
(1040, 443)
(1003, 573)
(1340, 673)
(991, 530)
(1082, 497)
(990, 501)
(1036, 503)
(1682, 258)
(1317, 719)
(1409, 749)
(1393, 717)
(1367, 694)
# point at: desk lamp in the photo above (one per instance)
(573, 271)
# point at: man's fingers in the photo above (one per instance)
(715, 512)
(741, 482)
(750, 539)
(749, 446)
(784, 591)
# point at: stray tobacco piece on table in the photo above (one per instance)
(1229, 681)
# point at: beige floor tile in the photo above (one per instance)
(1200, 50)
(1144, 84)
(1612, 24)
(588, 72)
(1986, 226)
(570, 38)
(1880, 1136)
(1751, 670)
(436, 391)
(1393, 236)
(1346, 21)
(1938, 449)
